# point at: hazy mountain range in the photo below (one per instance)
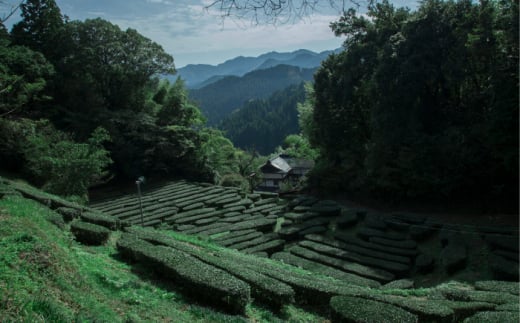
(200, 75)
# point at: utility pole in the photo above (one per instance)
(138, 182)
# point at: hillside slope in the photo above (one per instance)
(262, 125)
(139, 274)
(46, 276)
(219, 99)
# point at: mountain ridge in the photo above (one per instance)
(198, 75)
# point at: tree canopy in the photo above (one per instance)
(95, 81)
(422, 104)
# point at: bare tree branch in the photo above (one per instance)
(12, 9)
(277, 11)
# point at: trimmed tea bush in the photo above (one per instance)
(324, 270)
(266, 289)
(426, 310)
(375, 246)
(68, 213)
(269, 247)
(376, 274)
(253, 242)
(355, 309)
(463, 310)
(511, 307)
(358, 249)
(198, 279)
(106, 221)
(89, 233)
(394, 267)
(499, 286)
(234, 239)
(400, 284)
(393, 240)
(494, 317)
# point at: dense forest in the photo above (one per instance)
(217, 100)
(262, 125)
(81, 103)
(420, 106)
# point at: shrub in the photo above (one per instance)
(351, 267)
(268, 247)
(499, 286)
(89, 233)
(354, 309)
(266, 289)
(106, 221)
(325, 270)
(198, 279)
(494, 317)
(394, 267)
(68, 213)
(427, 310)
(66, 167)
(235, 180)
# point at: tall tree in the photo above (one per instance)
(41, 28)
(23, 76)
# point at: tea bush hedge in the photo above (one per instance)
(198, 279)
(324, 270)
(499, 286)
(263, 288)
(89, 233)
(106, 221)
(494, 317)
(355, 309)
(351, 267)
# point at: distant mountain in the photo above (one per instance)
(263, 124)
(197, 76)
(217, 100)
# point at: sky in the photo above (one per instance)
(194, 35)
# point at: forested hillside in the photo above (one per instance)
(422, 105)
(81, 103)
(262, 125)
(219, 99)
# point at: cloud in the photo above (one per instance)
(194, 34)
(186, 29)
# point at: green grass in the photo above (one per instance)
(45, 276)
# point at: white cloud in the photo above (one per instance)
(188, 31)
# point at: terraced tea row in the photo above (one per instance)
(239, 279)
(316, 233)
(348, 263)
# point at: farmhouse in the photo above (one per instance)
(283, 169)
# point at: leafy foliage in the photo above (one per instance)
(297, 146)
(64, 166)
(263, 124)
(218, 100)
(103, 77)
(412, 107)
(23, 75)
